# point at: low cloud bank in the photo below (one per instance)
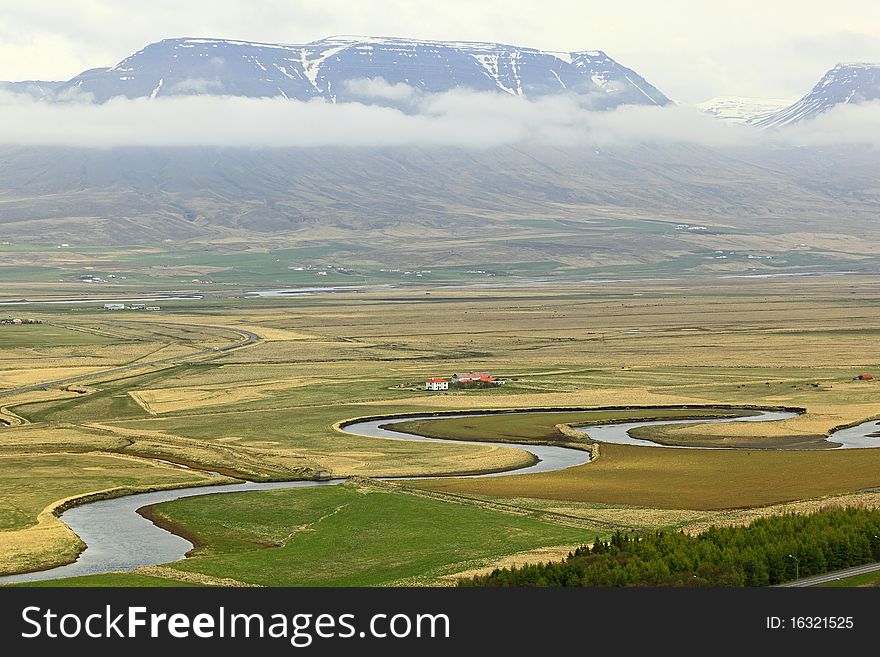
(457, 119)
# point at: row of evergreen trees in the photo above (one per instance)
(769, 551)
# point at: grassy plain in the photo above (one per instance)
(43, 335)
(268, 410)
(688, 479)
(333, 536)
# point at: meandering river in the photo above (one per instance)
(119, 539)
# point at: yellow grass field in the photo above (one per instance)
(168, 400)
(688, 479)
(25, 377)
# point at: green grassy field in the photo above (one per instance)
(41, 335)
(38, 271)
(348, 536)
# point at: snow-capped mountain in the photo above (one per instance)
(335, 69)
(737, 109)
(845, 83)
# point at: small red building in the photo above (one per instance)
(476, 379)
(472, 377)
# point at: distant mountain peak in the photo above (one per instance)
(326, 67)
(857, 65)
(846, 83)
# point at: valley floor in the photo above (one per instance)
(269, 410)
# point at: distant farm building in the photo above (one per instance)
(462, 378)
(19, 322)
(436, 384)
(114, 306)
(864, 377)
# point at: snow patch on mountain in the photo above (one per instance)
(739, 109)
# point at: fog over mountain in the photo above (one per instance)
(417, 149)
(402, 73)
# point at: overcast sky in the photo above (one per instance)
(691, 50)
